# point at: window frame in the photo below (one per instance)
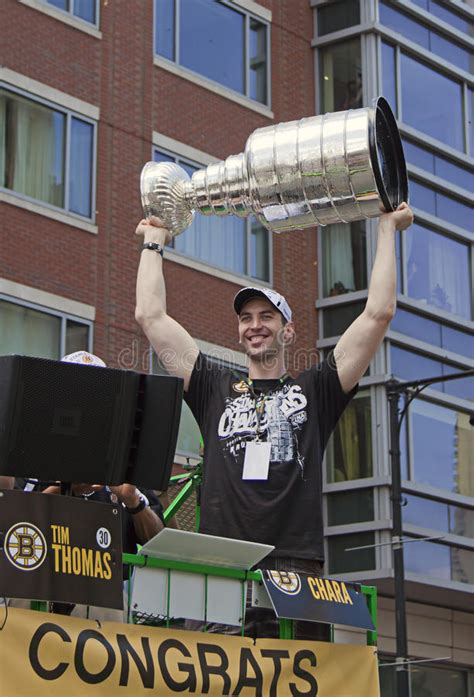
(69, 115)
(248, 15)
(70, 12)
(187, 160)
(61, 315)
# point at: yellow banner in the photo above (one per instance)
(45, 654)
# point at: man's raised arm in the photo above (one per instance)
(175, 348)
(357, 346)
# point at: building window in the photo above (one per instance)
(440, 166)
(83, 9)
(432, 332)
(445, 115)
(447, 14)
(349, 450)
(438, 270)
(240, 245)
(440, 205)
(336, 319)
(340, 76)
(347, 507)
(225, 44)
(425, 680)
(443, 562)
(343, 560)
(410, 365)
(33, 331)
(438, 515)
(46, 153)
(337, 15)
(426, 36)
(344, 258)
(440, 446)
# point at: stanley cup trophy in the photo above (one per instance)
(335, 168)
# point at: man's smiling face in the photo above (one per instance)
(261, 329)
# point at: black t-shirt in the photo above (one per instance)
(298, 417)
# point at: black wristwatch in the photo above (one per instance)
(154, 246)
(143, 504)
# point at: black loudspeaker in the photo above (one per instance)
(82, 423)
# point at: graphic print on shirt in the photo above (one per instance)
(283, 415)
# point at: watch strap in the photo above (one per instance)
(153, 246)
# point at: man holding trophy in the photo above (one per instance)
(265, 435)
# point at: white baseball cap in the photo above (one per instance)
(277, 300)
(84, 357)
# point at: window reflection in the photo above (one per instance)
(438, 515)
(439, 561)
(442, 445)
(425, 36)
(442, 114)
(216, 47)
(438, 270)
(342, 561)
(337, 15)
(341, 76)
(344, 258)
(429, 161)
(410, 365)
(345, 507)
(337, 319)
(216, 40)
(349, 450)
(388, 75)
(28, 332)
(432, 332)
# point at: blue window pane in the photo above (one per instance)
(416, 326)
(470, 120)
(455, 212)
(438, 270)
(428, 559)
(212, 42)
(258, 60)
(159, 156)
(442, 443)
(441, 116)
(259, 251)
(404, 24)
(451, 17)
(85, 9)
(165, 28)
(451, 51)
(422, 197)
(80, 177)
(457, 341)
(408, 365)
(389, 75)
(419, 156)
(61, 4)
(462, 387)
(435, 333)
(426, 513)
(454, 173)
(217, 241)
(398, 253)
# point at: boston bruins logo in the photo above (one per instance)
(286, 581)
(241, 387)
(25, 546)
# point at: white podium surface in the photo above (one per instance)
(187, 590)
